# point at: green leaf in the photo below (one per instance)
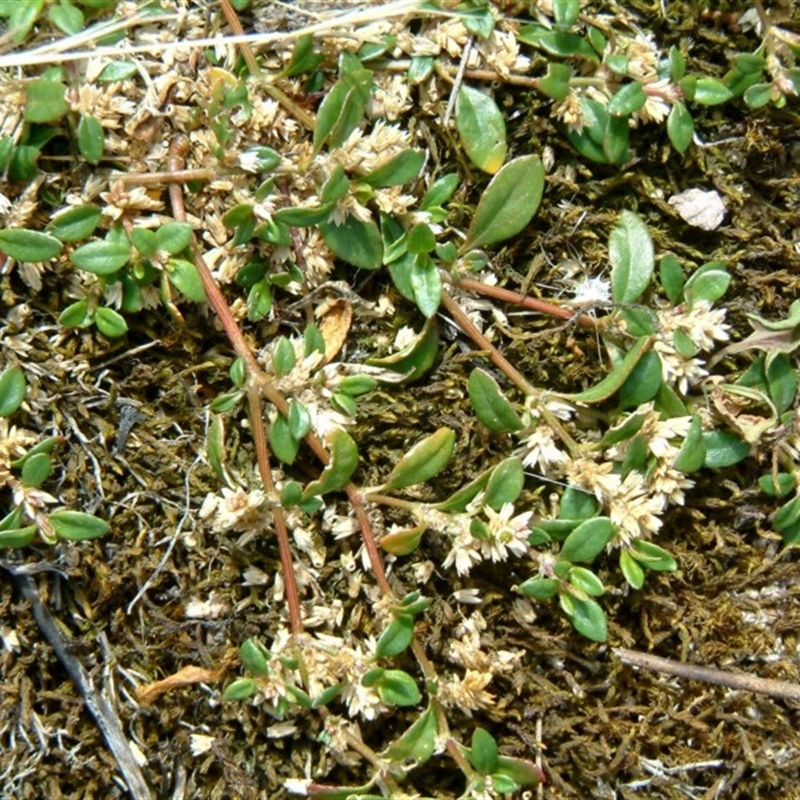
(416, 358)
(631, 570)
(103, 257)
(588, 540)
(505, 483)
(67, 18)
(304, 217)
(12, 390)
(540, 588)
(403, 542)
(304, 59)
(342, 109)
(36, 469)
(423, 461)
(711, 92)
(17, 537)
(577, 504)
(440, 192)
(418, 742)
(724, 449)
(588, 618)
(21, 17)
(630, 251)
(397, 637)
(508, 203)
(117, 71)
(586, 581)
(259, 159)
(482, 129)
(259, 301)
(788, 515)
(397, 688)
(284, 357)
(782, 382)
(77, 526)
(653, 557)
(343, 463)
(557, 42)
(677, 64)
(643, 383)
(615, 379)
(490, 405)
(680, 127)
(566, 12)
(671, 276)
(74, 224)
(483, 755)
(215, 447)
(174, 237)
(91, 141)
(281, 442)
(26, 245)
(110, 323)
(709, 283)
(426, 284)
(786, 481)
(254, 657)
(355, 241)
(692, 454)
(336, 187)
(45, 101)
(240, 689)
(629, 99)
(404, 167)
(76, 315)
(183, 275)
(556, 83)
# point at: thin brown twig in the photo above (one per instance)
(746, 683)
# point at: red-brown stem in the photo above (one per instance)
(465, 323)
(236, 26)
(159, 178)
(354, 495)
(532, 303)
(281, 531)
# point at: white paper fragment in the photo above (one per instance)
(699, 208)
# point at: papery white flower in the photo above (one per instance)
(634, 509)
(505, 533)
(199, 743)
(543, 452)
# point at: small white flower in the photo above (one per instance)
(199, 743)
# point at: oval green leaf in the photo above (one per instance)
(91, 141)
(397, 637)
(505, 483)
(508, 203)
(77, 526)
(482, 129)
(102, 258)
(588, 540)
(343, 463)
(110, 323)
(630, 251)
(25, 245)
(355, 241)
(490, 405)
(12, 390)
(424, 460)
(397, 688)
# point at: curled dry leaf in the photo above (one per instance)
(335, 318)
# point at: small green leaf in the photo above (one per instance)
(215, 447)
(482, 129)
(259, 159)
(240, 689)
(117, 71)
(653, 557)
(342, 109)
(724, 449)
(556, 83)
(343, 463)
(680, 127)
(423, 461)
(355, 241)
(577, 504)
(759, 94)
(397, 688)
(539, 588)
(615, 379)
(483, 755)
(586, 581)
(692, 454)
(404, 167)
(505, 483)
(91, 141)
(26, 245)
(711, 92)
(336, 187)
(397, 637)
(417, 357)
(76, 315)
(440, 191)
(304, 59)
(281, 442)
(12, 390)
(304, 217)
(45, 101)
(782, 382)
(629, 99)
(631, 570)
(67, 18)
(643, 383)
(183, 275)
(76, 526)
(566, 13)
(103, 257)
(588, 618)
(671, 276)
(786, 481)
(508, 203)
(174, 237)
(788, 515)
(630, 251)
(259, 301)
(403, 542)
(588, 540)
(284, 357)
(74, 224)
(709, 283)
(490, 405)
(254, 657)
(110, 323)
(299, 419)
(417, 742)
(17, 537)
(426, 283)
(36, 469)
